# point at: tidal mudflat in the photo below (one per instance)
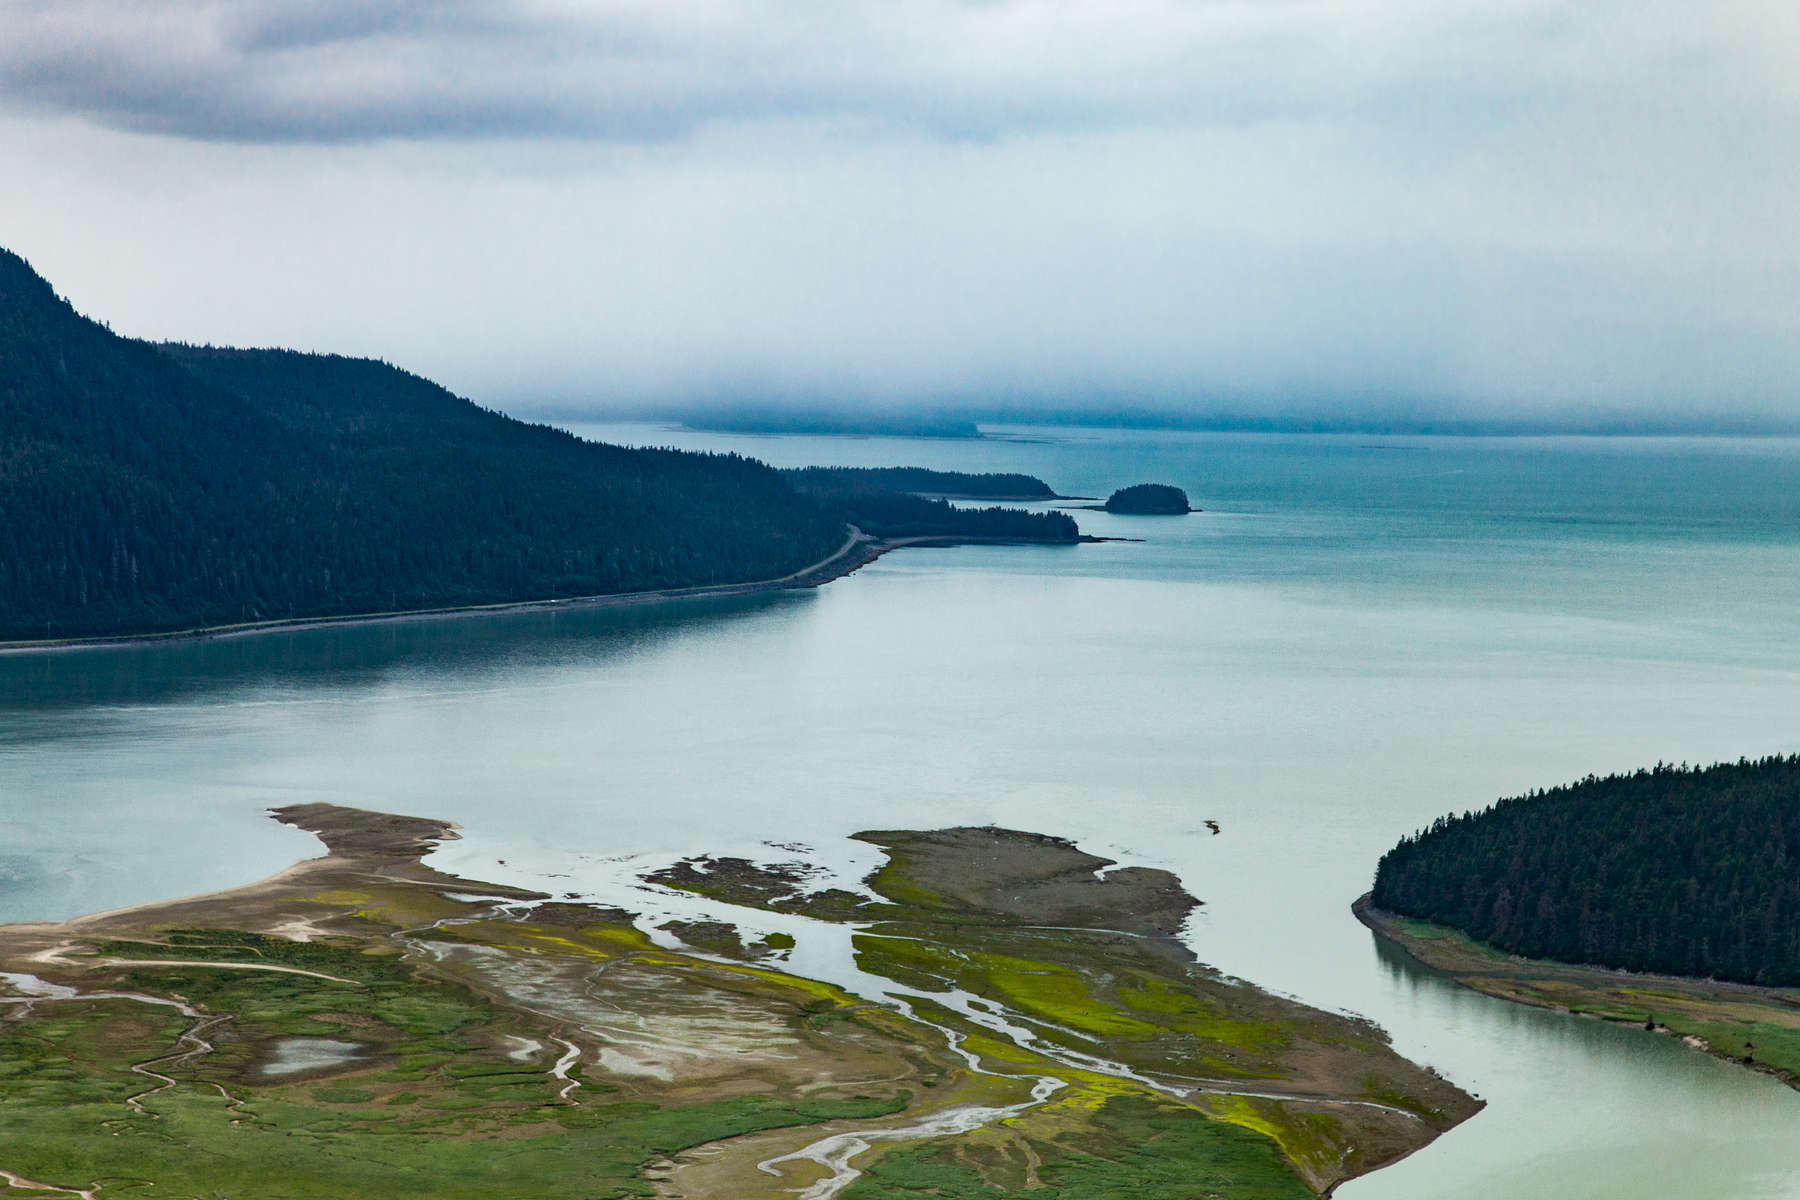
(1028, 1020)
(1350, 642)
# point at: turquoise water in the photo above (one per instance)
(1358, 634)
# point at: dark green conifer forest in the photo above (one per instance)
(152, 488)
(877, 510)
(148, 488)
(1674, 870)
(1156, 499)
(922, 481)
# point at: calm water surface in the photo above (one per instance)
(1359, 634)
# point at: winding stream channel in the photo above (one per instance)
(824, 951)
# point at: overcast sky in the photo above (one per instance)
(1485, 207)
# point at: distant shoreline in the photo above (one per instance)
(1000, 499)
(858, 551)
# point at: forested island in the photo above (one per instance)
(1148, 499)
(1688, 873)
(152, 488)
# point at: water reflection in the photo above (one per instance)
(1649, 1115)
(335, 658)
(130, 773)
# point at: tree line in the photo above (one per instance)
(146, 488)
(922, 481)
(157, 487)
(886, 513)
(1675, 870)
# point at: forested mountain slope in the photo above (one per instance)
(150, 488)
(1673, 870)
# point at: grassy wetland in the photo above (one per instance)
(1025, 1022)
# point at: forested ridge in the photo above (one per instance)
(147, 488)
(922, 481)
(150, 488)
(1674, 870)
(887, 513)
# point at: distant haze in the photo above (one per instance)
(1324, 213)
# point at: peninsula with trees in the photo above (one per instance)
(941, 485)
(1667, 897)
(869, 504)
(158, 489)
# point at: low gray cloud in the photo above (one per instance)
(342, 70)
(1293, 206)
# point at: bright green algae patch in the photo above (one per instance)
(1085, 994)
(1084, 962)
(1132, 1147)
